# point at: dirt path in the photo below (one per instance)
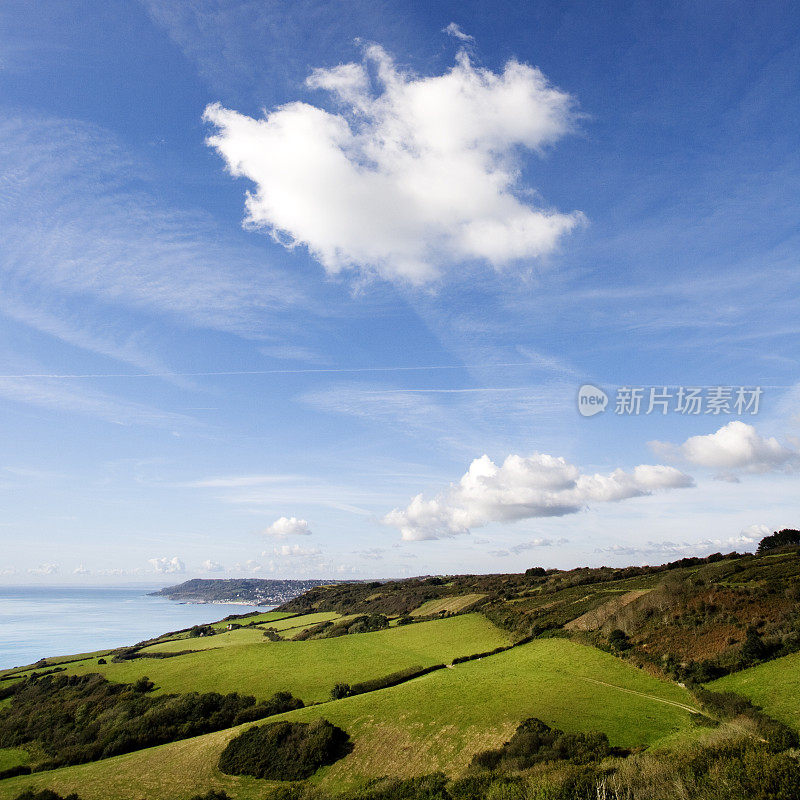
(641, 694)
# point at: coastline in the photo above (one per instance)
(49, 622)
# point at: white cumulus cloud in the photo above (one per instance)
(212, 566)
(736, 446)
(44, 569)
(288, 526)
(412, 175)
(540, 485)
(167, 565)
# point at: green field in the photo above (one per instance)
(775, 686)
(13, 757)
(451, 604)
(224, 639)
(307, 669)
(268, 617)
(435, 722)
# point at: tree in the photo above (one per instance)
(788, 537)
(618, 639)
(340, 690)
(753, 647)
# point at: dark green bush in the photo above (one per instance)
(425, 787)
(45, 794)
(618, 640)
(213, 794)
(286, 751)
(79, 718)
(535, 742)
(341, 690)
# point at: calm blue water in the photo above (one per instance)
(36, 622)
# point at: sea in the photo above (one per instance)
(39, 622)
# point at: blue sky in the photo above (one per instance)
(309, 289)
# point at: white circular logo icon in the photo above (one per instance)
(591, 400)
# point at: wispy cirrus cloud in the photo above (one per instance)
(55, 395)
(75, 198)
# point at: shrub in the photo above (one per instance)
(78, 718)
(143, 685)
(286, 751)
(12, 772)
(45, 794)
(618, 640)
(535, 742)
(392, 679)
(341, 690)
(213, 794)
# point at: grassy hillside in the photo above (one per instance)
(435, 722)
(775, 686)
(307, 669)
(600, 650)
(689, 619)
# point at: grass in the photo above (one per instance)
(13, 757)
(266, 617)
(775, 686)
(23, 669)
(452, 604)
(307, 669)
(242, 636)
(435, 722)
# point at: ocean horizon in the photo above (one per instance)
(47, 621)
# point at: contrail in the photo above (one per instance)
(80, 376)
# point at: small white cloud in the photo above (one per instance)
(540, 485)
(753, 534)
(374, 553)
(455, 31)
(212, 566)
(735, 447)
(81, 570)
(167, 565)
(44, 569)
(534, 543)
(250, 565)
(295, 551)
(288, 526)
(415, 175)
(746, 540)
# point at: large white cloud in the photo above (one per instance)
(540, 485)
(288, 526)
(414, 174)
(736, 446)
